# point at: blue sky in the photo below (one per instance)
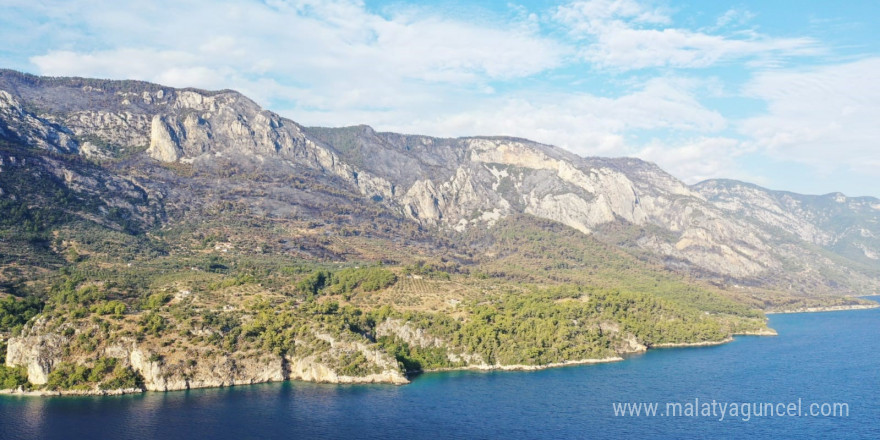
(783, 93)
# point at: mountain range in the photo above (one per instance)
(97, 176)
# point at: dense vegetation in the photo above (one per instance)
(531, 249)
(107, 373)
(345, 281)
(552, 326)
(13, 377)
(14, 313)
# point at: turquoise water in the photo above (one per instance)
(817, 358)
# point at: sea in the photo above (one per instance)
(819, 378)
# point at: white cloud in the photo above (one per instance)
(733, 17)
(337, 49)
(825, 117)
(591, 17)
(625, 35)
(335, 63)
(700, 158)
(318, 62)
(583, 123)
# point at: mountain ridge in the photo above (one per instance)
(453, 183)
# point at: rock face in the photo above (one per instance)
(220, 371)
(473, 182)
(728, 233)
(16, 122)
(39, 354)
(849, 226)
(163, 143)
(418, 337)
(488, 179)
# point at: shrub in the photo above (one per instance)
(13, 377)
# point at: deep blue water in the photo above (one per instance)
(819, 357)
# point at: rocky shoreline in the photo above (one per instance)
(309, 370)
(762, 332)
(693, 344)
(51, 393)
(483, 367)
(524, 367)
(841, 308)
(373, 379)
(342, 380)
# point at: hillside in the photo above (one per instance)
(159, 238)
(845, 229)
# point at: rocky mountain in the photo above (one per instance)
(196, 210)
(457, 184)
(846, 226)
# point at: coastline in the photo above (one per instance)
(692, 344)
(524, 367)
(764, 332)
(483, 367)
(346, 380)
(479, 367)
(55, 393)
(841, 308)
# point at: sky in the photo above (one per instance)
(782, 93)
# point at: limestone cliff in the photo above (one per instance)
(38, 353)
(41, 350)
(18, 123)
